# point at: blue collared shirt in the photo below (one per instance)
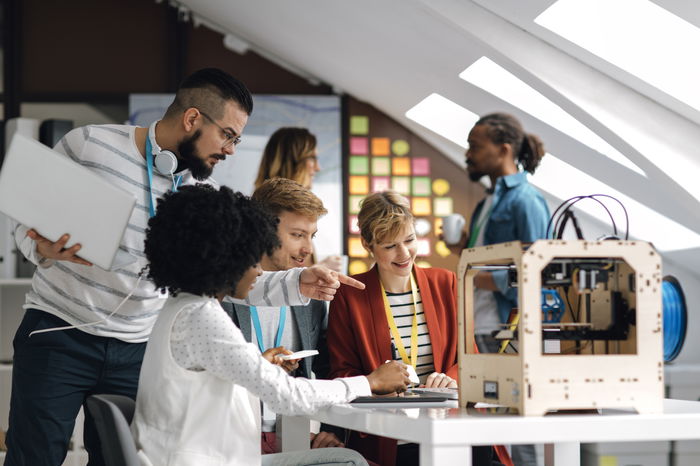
(519, 213)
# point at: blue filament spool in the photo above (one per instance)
(675, 315)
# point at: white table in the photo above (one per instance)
(446, 434)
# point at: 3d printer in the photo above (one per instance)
(588, 331)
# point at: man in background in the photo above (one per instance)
(513, 210)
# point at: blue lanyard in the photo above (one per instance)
(258, 330)
(149, 170)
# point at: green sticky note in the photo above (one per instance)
(354, 203)
(359, 125)
(400, 147)
(359, 165)
(421, 186)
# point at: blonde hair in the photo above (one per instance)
(280, 194)
(382, 216)
(285, 156)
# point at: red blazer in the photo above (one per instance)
(359, 340)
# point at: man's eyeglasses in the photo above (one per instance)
(231, 139)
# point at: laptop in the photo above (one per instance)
(49, 192)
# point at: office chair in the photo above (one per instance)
(112, 415)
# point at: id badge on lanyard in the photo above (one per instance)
(414, 326)
(149, 171)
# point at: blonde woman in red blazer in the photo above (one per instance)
(359, 336)
(358, 331)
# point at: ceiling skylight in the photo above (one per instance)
(444, 117)
(562, 180)
(496, 80)
(637, 36)
(565, 181)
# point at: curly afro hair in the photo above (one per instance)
(202, 240)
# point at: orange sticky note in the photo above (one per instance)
(381, 146)
(401, 166)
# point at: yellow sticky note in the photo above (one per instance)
(359, 185)
(441, 187)
(357, 266)
(421, 206)
(442, 249)
(607, 461)
(355, 248)
(438, 226)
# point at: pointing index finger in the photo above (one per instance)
(350, 281)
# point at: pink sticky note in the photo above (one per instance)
(380, 183)
(353, 226)
(421, 166)
(359, 146)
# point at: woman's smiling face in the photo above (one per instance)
(396, 255)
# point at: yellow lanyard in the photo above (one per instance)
(414, 328)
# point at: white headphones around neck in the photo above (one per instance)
(164, 161)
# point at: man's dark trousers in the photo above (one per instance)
(52, 375)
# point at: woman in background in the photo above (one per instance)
(291, 153)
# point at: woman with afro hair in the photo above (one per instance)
(201, 383)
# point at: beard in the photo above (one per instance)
(476, 176)
(199, 167)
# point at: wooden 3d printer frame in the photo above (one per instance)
(622, 372)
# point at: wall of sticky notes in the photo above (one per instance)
(381, 154)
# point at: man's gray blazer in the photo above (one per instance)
(310, 320)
